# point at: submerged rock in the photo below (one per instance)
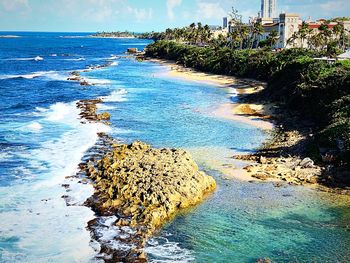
(263, 260)
(85, 83)
(145, 187)
(104, 116)
(132, 50)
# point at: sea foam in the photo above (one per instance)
(116, 96)
(97, 81)
(167, 251)
(35, 126)
(62, 112)
(74, 59)
(37, 205)
(37, 58)
(55, 75)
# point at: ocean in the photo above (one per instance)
(42, 141)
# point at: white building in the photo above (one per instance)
(288, 25)
(268, 8)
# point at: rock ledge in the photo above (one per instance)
(145, 186)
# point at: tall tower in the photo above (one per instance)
(268, 8)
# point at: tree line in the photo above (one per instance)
(332, 40)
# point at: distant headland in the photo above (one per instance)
(122, 34)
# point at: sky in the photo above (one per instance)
(144, 15)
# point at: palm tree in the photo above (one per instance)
(337, 30)
(324, 35)
(234, 37)
(207, 33)
(292, 39)
(315, 41)
(273, 38)
(169, 34)
(238, 33)
(199, 33)
(304, 32)
(257, 31)
(244, 33)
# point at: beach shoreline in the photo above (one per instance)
(255, 114)
(281, 159)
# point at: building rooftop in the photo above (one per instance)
(270, 24)
(289, 14)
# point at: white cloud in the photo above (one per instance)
(143, 14)
(171, 4)
(104, 10)
(207, 10)
(15, 5)
(140, 14)
(333, 5)
(316, 9)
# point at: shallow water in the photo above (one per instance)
(243, 222)
(42, 142)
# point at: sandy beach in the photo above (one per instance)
(257, 115)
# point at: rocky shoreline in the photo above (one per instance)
(75, 75)
(146, 186)
(289, 154)
(137, 189)
(143, 188)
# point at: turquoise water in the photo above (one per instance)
(43, 141)
(243, 222)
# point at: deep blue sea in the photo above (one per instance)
(42, 141)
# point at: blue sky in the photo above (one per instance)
(143, 15)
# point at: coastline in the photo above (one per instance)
(255, 114)
(73, 125)
(131, 37)
(281, 159)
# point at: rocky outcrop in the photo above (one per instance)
(137, 187)
(132, 50)
(104, 116)
(145, 186)
(263, 260)
(141, 188)
(76, 76)
(290, 169)
(88, 111)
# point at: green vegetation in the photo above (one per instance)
(316, 89)
(196, 34)
(242, 35)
